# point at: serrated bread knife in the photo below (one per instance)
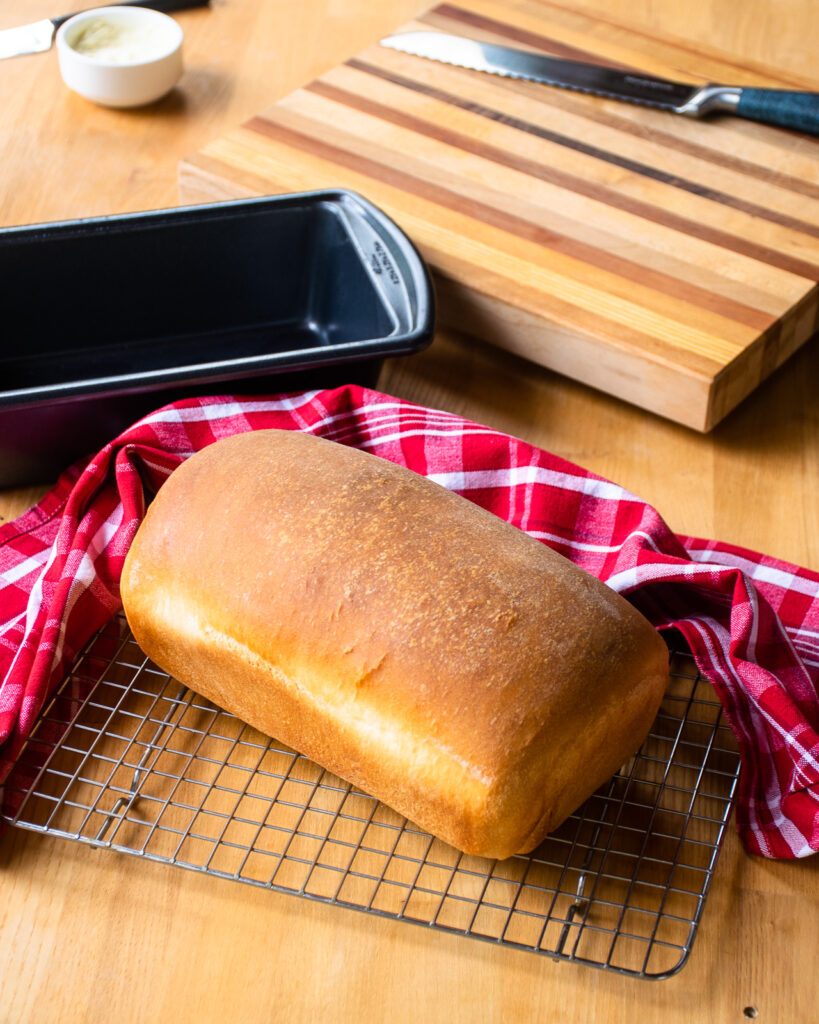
(799, 110)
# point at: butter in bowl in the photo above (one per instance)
(120, 56)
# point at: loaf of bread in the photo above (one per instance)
(405, 639)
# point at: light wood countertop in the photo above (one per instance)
(95, 936)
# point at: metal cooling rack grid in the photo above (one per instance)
(127, 758)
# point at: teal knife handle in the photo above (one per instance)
(798, 110)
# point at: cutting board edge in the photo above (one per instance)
(198, 184)
(740, 378)
(542, 343)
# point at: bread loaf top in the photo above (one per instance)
(405, 638)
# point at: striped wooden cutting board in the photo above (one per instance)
(672, 263)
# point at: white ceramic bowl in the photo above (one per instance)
(124, 79)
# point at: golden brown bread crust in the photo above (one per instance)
(402, 637)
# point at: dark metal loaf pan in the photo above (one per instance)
(107, 318)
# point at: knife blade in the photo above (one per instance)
(785, 108)
(39, 35)
(34, 38)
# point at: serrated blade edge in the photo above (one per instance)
(508, 62)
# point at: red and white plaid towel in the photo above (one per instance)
(752, 622)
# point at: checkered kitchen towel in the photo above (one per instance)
(752, 622)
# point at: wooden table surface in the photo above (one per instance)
(90, 935)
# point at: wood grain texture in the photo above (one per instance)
(93, 936)
(671, 263)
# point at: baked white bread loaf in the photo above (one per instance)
(405, 639)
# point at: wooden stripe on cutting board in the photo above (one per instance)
(679, 257)
(577, 183)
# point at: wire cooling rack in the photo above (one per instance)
(127, 758)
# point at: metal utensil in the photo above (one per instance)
(799, 110)
(38, 36)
